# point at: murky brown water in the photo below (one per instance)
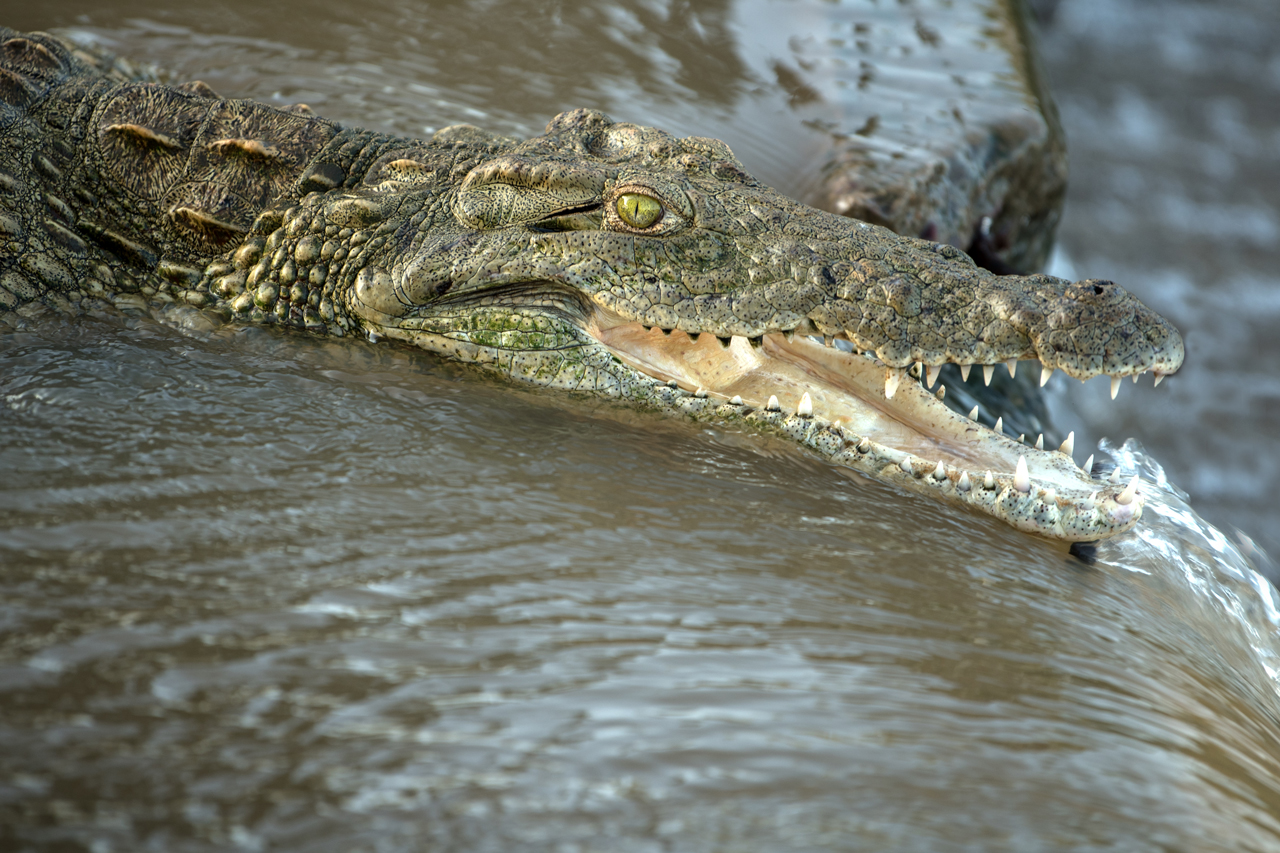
(267, 592)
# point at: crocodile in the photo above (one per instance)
(600, 257)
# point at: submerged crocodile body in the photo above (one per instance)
(599, 257)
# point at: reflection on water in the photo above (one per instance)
(262, 591)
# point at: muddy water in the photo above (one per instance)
(268, 592)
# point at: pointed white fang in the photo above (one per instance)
(701, 393)
(1159, 379)
(931, 375)
(964, 485)
(805, 408)
(940, 473)
(964, 371)
(1050, 495)
(1021, 479)
(1012, 364)
(1115, 476)
(1093, 499)
(892, 377)
(999, 427)
(1135, 377)
(773, 404)
(973, 413)
(1040, 442)
(1068, 447)
(1115, 386)
(988, 370)
(1022, 438)
(942, 392)
(736, 401)
(1046, 372)
(988, 482)
(1126, 497)
(1088, 465)
(905, 465)
(919, 372)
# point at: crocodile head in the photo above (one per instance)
(616, 258)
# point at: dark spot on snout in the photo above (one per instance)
(442, 288)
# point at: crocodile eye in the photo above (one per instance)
(639, 211)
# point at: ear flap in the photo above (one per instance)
(511, 190)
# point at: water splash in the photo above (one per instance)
(1173, 539)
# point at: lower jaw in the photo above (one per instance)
(910, 439)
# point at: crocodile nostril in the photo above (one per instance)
(1098, 289)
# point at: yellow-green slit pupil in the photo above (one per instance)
(639, 211)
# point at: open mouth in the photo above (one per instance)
(850, 407)
(858, 412)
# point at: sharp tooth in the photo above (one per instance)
(940, 473)
(1130, 491)
(1088, 465)
(892, 376)
(1022, 438)
(942, 392)
(1068, 447)
(374, 337)
(828, 340)
(1021, 479)
(701, 393)
(1115, 475)
(964, 485)
(736, 401)
(988, 482)
(773, 405)
(1012, 364)
(932, 375)
(1050, 495)
(805, 408)
(1135, 377)
(1040, 442)
(999, 427)
(1093, 499)
(988, 370)
(917, 370)
(1045, 372)
(1115, 386)
(725, 342)
(905, 465)
(1159, 379)
(964, 371)
(864, 446)
(973, 413)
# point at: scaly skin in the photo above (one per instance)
(518, 256)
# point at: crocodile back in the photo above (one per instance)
(105, 181)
